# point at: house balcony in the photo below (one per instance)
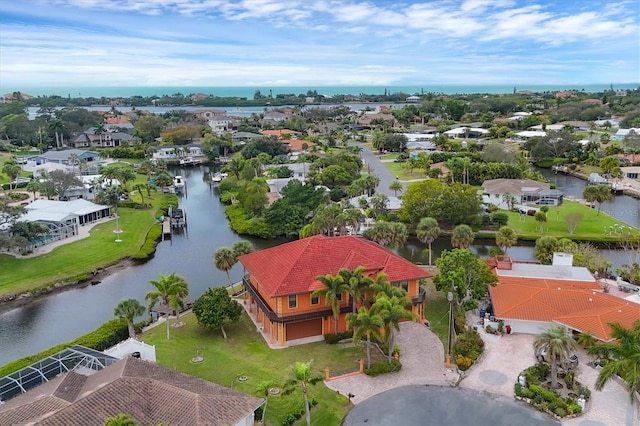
(274, 317)
(422, 293)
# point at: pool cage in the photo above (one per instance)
(78, 358)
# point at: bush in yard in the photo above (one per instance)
(382, 367)
(334, 338)
(463, 362)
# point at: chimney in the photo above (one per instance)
(562, 259)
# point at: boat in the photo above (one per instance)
(217, 178)
(178, 183)
(178, 218)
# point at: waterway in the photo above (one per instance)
(63, 316)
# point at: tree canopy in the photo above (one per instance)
(215, 308)
(461, 269)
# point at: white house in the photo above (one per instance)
(631, 172)
(525, 191)
(467, 132)
(526, 134)
(622, 133)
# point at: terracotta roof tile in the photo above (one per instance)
(580, 305)
(292, 268)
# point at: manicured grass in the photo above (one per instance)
(391, 156)
(591, 227)
(246, 353)
(437, 311)
(63, 263)
(397, 170)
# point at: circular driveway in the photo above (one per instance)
(439, 405)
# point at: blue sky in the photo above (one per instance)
(49, 43)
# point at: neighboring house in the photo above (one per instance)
(208, 114)
(527, 134)
(222, 124)
(613, 122)
(631, 172)
(298, 145)
(412, 99)
(526, 191)
(62, 218)
(62, 157)
(300, 170)
(467, 132)
(177, 152)
(245, 136)
(280, 281)
(393, 205)
(622, 133)
(531, 297)
(275, 116)
(278, 133)
(368, 119)
(147, 392)
(107, 139)
(548, 127)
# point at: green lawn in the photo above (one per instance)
(437, 311)
(77, 258)
(397, 170)
(590, 228)
(246, 353)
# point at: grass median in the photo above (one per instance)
(245, 353)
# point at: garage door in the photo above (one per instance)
(298, 330)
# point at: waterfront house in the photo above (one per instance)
(467, 132)
(208, 114)
(279, 133)
(175, 153)
(622, 133)
(107, 139)
(100, 386)
(631, 172)
(63, 157)
(531, 297)
(280, 281)
(525, 191)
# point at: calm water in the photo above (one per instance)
(249, 91)
(64, 316)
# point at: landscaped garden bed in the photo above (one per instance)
(535, 388)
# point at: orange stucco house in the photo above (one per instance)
(281, 279)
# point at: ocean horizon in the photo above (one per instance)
(248, 92)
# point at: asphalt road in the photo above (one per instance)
(376, 167)
(438, 405)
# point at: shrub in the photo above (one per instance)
(332, 338)
(469, 344)
(517, 389)
(382, 367)
(560, 412)
(489, 329)
(541, 370)
(500, 218)
(574, 409)
(463, 362)
(150, 243)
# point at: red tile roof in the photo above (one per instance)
(580, 305)
(292, 268)
(296, 144)
(277, 132)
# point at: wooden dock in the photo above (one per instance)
(166, 228)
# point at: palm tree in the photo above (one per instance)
(263, 388)
(224, 259)
(358, 284)
(366, 325)
(120, 420)
(462, 236)
(129, 309)
(392, 310)
(381, 285)
(242, 247)
(167, 289)
(427, 232)
(334, 287)
(99, 130)
(623, 355)
(395, 187)
(557, 344)
(301, 373)
(505, 238)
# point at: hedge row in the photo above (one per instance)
(108, 334)
(150, 243)
(334, 338)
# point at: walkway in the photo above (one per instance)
(422, 363)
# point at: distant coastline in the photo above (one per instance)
(248, 92)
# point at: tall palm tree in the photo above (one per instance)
(392, 310)
(167, 289)
(557, 344)
(129, 309)
(395, 186)
(462, 236)
(381, 285)
(302, 374)
(99, 130)
(358, 284)
(224, 259)
(427, 232)
(366, 325)
(242, 247)
(505, 238)
(263, 389)
(334, 288)
(623, 355)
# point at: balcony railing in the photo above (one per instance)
(274, 317)
(420, 297)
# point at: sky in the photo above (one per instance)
(50, 43)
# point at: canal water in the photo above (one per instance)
(64, 316)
